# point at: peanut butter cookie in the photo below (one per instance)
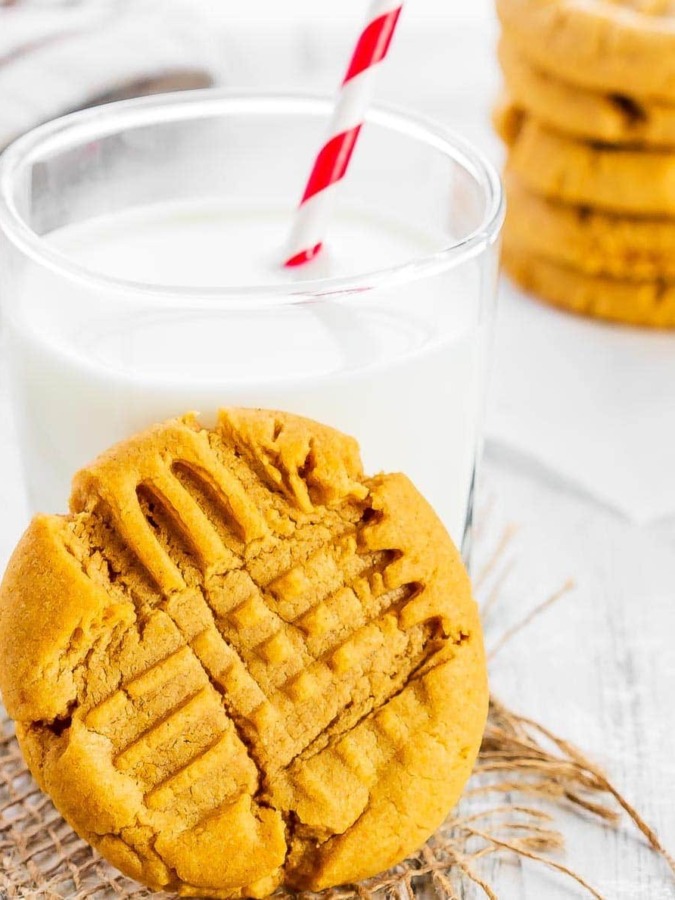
(624, 247)
(590, 115)
(648, 303)
(240, 663)
(604, 45)
(635, 182)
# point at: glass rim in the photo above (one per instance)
(101, 121)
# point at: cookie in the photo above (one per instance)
(240, 663)
(617, 180)
(605, 45)
(588, 115)
(582, 238)
(647, 303)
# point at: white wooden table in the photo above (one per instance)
(598, 668)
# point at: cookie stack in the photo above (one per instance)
(589, 121)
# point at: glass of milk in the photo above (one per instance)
(141, 278)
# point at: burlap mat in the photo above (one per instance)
(524, 774)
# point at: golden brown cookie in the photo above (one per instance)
(588, 115)
(649, 303)
(607, 45)
(582, 238)
(240, 663)
(634, 182)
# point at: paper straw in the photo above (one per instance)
(333, 159)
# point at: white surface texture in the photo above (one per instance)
(580, 455)
(53, 60)
(596, 668)
(593, 402)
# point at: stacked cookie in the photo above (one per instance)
(589, 121)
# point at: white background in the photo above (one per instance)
(345, 10)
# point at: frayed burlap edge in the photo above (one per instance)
(523, 775)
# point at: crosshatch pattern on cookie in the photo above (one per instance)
(273, 637)
(269, 646)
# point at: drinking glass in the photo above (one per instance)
(395, 354)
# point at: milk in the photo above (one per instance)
(402, 373)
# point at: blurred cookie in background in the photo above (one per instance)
(594, 242)
(617, 179)
(588, 120)
(646, 302)
(591, 115)
(621, 46)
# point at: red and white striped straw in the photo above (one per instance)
(331, 164)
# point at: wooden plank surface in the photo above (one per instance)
(598, 668)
